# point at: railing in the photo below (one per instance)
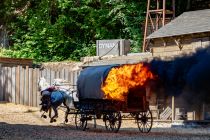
(166, 113)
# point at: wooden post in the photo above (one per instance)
(27, 86)
(203, 111)
(173, 109)
(30, 87)
(13, 84)
(174, 9)
(146, 25)
(164, 12)
(21, 87)
(9, 90)
(157, 16)
(17, 87)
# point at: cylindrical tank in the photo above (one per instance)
(90, 81)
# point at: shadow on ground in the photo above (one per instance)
(25, 131)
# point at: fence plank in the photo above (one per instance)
(62, 74)
(72, 77)
(47, 76)
(13, 84)
(37, 91)
(30, 87)
(26, 86)
(5, 84)
(2, 81)
(52, 77)
(9, 87)
(56, 74)
(21, 85)
(1, 84)
(34, 88)
(66, 74)
(17, 87)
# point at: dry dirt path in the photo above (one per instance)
(22, 122)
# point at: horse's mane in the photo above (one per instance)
(43, 84)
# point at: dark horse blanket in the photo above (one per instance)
(56, 96)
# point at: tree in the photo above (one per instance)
(55, 30)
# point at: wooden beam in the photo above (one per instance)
(174, 9)
(178, 43)
(164, 42)
(173, 108)
(146, 25)
(164, 12)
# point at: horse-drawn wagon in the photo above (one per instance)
(112, 93)
(93, 103)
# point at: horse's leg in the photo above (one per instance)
(55, 114)
(67, 112)
(50, 111)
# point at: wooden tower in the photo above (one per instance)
(156, 17)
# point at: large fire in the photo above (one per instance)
(121, 79)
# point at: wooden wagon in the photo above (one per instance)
(93, 105)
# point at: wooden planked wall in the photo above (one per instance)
(188, 45)
(20, 85)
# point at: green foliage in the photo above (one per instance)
(55, 30)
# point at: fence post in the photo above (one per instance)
(3, 83)
(13, 84)
(34, 95)
(37, 91)
(173, 109)
(9, 87)
(30, 86)
(17, 87)
(26, 86)
(21, 85)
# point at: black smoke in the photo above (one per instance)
(187, 74)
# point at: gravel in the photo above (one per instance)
(23, 122)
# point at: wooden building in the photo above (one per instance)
(184, 34)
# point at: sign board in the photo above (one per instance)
(112, 47)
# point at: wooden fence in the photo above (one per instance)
(20, 85)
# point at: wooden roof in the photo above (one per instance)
(5, 61)
(188, 23)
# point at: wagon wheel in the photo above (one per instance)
(113, 121)
(144, 121)
(81, 120)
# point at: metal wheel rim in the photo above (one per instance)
(144, 121)
(80, 121)
(113, 121)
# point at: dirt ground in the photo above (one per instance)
(23, 122)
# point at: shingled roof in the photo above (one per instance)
(187, 23)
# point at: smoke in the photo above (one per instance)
(187, 74)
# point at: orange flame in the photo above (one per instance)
(123, 78)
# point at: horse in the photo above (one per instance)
(52, 97)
